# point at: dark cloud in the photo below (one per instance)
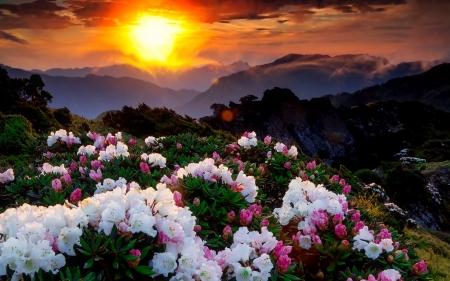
(40, 14)
(282, 21)
(345, 9)
(99, 22)
(10, 37)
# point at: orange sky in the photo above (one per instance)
(75, 33)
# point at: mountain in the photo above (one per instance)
(364, 136)
(197, 78)
(308, 76)
(91, 95)
(431, 87)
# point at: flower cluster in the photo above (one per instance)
(33, 236)
(69, 139)
(49, 169)
(282, 148)
(373, 246)
(208, 171)
(114, 151)
(7, 176)
(248, 140)
(154, 159)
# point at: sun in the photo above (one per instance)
(153, 37)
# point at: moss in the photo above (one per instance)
(368, 176)
(15, 132)
(433, 167)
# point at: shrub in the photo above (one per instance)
(368, 176)
(62, 115)
(15, 131)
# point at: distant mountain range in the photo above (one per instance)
(195, 78)
(308, 76)
(431, 87)
(91, 95)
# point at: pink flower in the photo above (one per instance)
(384, 234)
(177, 198)
(73, 166)
(267, 140)
(283, 264)
(285, 150)
(341, 231)
(356, 216)
(371, 278)
(342, 182)
(334, 179)
(245, 134)
(179, 146)
(132, 142)
(287, 165)
(96, 176)
(75, 197)
(264, 223)
(311, 165)
(197, 228)
(227, 231)
(83, 159)
(230, 216)
(320, 219)
(57, 185)
(316, 239)
(241, 167)
(144, 168)
(256, 210)
(245, 217)
(346, 189)
(174, 179)
(269, 154)
(135, 252)
(338, 218)
(111, 139)
(261, 169)
(196, 201)
(66, 179)
(95, 164)
(419, 268)
(215, 156)
(166, 180)
(209, 255)
(281, 250)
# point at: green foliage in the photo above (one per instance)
(368, 176)
(15, 132)
(63, 116)
(408, 181)
(144, 121)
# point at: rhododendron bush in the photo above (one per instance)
(184, 207)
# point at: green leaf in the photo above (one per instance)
(331, 267)
(85, 245)
(144, 252)
(143, 269)
(89, 263)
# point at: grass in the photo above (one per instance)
(433, 250)
(368, 202)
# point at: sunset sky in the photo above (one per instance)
(75, 33)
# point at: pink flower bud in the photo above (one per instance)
(311, 165)
(135, 252)
(144, 168)
(176, 167)
(132, 142)
(177, 198)
(196, 201)
(356, 217)
(96, 164)
(342, 182)
(66, 179)
(75, 197)
(287, 165)
(285, 150)
(316, 239)
(283, 264)
(230, 216)
(267, 140)
(334, 179)
(261, 169)
(265, 223)
(346, 189)
(227, 231)
(269, 154)
(179, 146)
(197, 228)
(245, 217)
(245, 134)
(256, 210)
(83, 159)
(341, 231)
(209, 255)
(338, 218)
(73, 166)
(241, 166)
(345, 244)
(57, 185)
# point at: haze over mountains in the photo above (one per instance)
(195, 78)
(307, 76)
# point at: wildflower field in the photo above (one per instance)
(107, 207)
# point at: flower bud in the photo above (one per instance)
(57, 185)
(132, 142)
(267, 140)
(320, 275)
(134, 263)
(197, 228)
(196, 201)
(75, 197)
(179, 146)
(390, 259)
(264, 223)
(226, 232)
(230, 216)
(287, 165)
(245, 217)
(178, 199)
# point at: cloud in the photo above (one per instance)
(40, 14)
(11, 37)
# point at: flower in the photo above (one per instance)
(419, 268)
(340, 231)
(287, 165)
(267, 140)
(346, 189)
(163, 263)
(144, 168)
(7, 176)
(283, 264)
(389, 275)
(245, 217)
(226, 232)
(373, 250)
(57, 185)
(96, 175)
(230, 216)
(75, 197)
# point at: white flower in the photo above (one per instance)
(386, 244)
(247, 186)
(242, 273)
(67, 238)
(86, 150)
(210, 271)
(7, 176)
(283, 214)
(252, 135)
(293, 151)
(305, 241)
(188, 263)
(373, 250)
(52, 139)
(164, 263)
(122, 150)
(364, 234)
(263, 263)
(142, 222)
(279, 147)
(149, 141)
(391, 274)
